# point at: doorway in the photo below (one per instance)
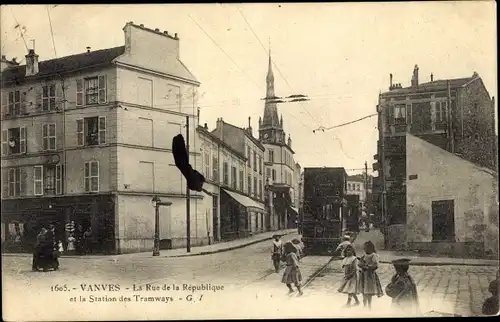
(215, 218)
(443, 220)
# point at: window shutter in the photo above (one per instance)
(79, 132)
(45, 135)
(38, 98)
(59, 181)
(5, 183)
(79, 92)
(23, 181)
(5, 144)
(102, 129)
(86, 175)
(102, 89)
(59, 96)
(22, 139)
(5, 103)
(53, 134)
(38, 178)
(24, 102)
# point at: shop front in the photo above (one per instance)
(90, 219)
(236, 213)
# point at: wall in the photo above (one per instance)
(441, 176)
(135, 229)
(477, 139)
(34, 117)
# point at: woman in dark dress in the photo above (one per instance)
(39, 261)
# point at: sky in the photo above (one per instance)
(339, 54)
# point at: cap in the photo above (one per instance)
(401, 261)
(347, 237)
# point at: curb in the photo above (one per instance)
(445, 264)
(226, 249)
(167, 256)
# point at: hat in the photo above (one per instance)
(401, 262)
(347, 237)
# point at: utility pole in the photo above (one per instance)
(188, 195)
(366, 185)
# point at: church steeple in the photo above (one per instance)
(271, 128)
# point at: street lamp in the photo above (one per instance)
(156, 202)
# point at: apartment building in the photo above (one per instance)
(87, 138)
(246, 201)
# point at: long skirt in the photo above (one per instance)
(370, 283)
(292, 275)
(350, 286)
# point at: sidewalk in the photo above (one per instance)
(195, 251)
(388, 257)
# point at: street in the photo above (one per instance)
(245, 274)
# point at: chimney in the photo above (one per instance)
(414, 79)
(250, 126)
(390, 81)
(88, 49)
(31, 63)
(432, 77)
(205, 126)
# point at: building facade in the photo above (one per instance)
(456, 115)
(83, 140)
(280, 166)
(242, 196)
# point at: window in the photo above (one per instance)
(249, 184)
(274, 175)
(49, 97)
(400, 114)
(14, 105)
(254, 161)
(14, 141)
(49, 136)
(234, 179)
(271, 156)
(348, 186)
(260, 189)
(59, 182)
(207, 164)
(260, 165)
(91, 176)
(91, 90)
(14, 182)
(255, 187)
(441, 109)
(242, 178)
(91, 130)
(215, 168)
(225, 173)
(38, 180)
(249, 156)
(268, 174)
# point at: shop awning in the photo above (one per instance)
(246, 202)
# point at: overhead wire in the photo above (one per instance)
(323, 129)
(18, 26)
(244, 73)
(51, 31)
(272, 60)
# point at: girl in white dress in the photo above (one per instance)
(350, 284)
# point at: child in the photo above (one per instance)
(71, 243)
(403, 289)
(370, 283)
(276, 252)
(350, 284)
(346, 241)
(490, 306)
(292, 274)
(300, 248)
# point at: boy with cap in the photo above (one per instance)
(490, 306)
(346, 241)
(277, 252)
(403, 289)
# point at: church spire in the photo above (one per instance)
(270, 76)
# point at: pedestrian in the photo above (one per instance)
(370, 282)
(346, 241)
(87, 240)
(71, 243)
(300, 248)
(277, 252)
(402, 289)
(350, 283)
(292, 273)
(490, 305)
(37, 260)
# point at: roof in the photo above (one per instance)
(250, 136)
(64, 64)
(213, 137)
(434, 86)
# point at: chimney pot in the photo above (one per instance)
(156, 29)
(165, 32)
(142, 25)
(131, 22)
(249, 118)
(175, 35)
(88, 49)
(432, 77)
(206, 126)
